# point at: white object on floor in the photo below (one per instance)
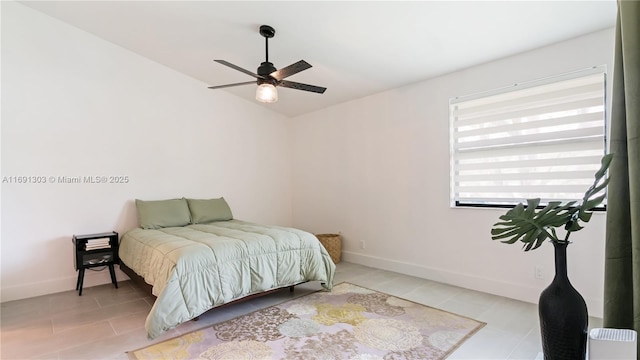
(612, 344)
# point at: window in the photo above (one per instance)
(542, 139)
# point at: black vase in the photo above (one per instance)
(563, 315)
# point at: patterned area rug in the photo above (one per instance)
(350, 322)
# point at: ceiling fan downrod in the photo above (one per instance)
(268, 32)
(266, 67)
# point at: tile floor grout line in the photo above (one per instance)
(97, 321)
(113, 328)
(520, 343)
(85, 343)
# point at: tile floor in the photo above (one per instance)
(104, 322)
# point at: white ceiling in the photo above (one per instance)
(356, 48)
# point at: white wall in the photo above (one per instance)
(377, 170)
(75, 105)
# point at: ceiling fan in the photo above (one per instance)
(268, 77)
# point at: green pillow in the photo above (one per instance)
(163, 213)
(210, 210)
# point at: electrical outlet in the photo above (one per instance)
(538, 272)
(361, 244)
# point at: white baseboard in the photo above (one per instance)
(91, 278)
(467, 281)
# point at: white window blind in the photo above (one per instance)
(542, 139)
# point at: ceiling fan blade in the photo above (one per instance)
(230, 85)
(223, 62)
(290, 70)
(300, 86)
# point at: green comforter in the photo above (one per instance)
(197, 267)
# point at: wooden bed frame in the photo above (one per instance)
(139, 280)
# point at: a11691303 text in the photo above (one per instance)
(65, 179)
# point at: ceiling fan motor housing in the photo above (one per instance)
(265, 69)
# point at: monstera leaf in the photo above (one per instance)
(532, 226)
(589, 202)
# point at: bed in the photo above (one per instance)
(195, 257)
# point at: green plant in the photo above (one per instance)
(532, 225)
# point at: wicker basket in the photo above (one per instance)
(333, 244)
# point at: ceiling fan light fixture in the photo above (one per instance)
(266, 93)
